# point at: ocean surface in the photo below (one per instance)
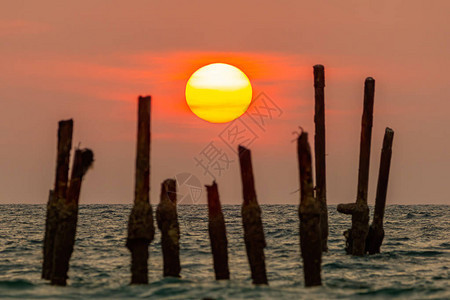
(414, 263)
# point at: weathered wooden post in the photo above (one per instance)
(251, 219)
(376, 231)
(68, 216)
(58, 195)
(356, 236)
(309, 213)
(319, 151)
(217, 233)
(140, 225)
(167, 218)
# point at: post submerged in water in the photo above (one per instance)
(376, 231)
(319, 151)
(251, 219)
(167, 218)
(57, 195)
(140, 224)
(217, 233)
(68, 216)
(356, 236)
(310, 214)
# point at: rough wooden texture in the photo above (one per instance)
(309, 213)
(356, 236)
(140, 224)
(58, 195)
(50, 229)
(167, 218)
(251, 219)
(67, 218)
(319, 147)
(376, 231)
(217, 233)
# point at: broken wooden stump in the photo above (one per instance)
(251, 219)
(310, 213)
(140, 224)
(356, 236)
(58, 195)
(217, 233)
(319, 151)
(376, 231)
(67, 218)
(167, 218)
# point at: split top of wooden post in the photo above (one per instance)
(82, 162)
(85, 160)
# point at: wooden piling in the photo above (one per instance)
(217, 233)
(67, 218)
(376, 231)
(319, 148)
(58, 195)
(356, 236)
(251, 219)
(167, 218)
(309, 213)
(140, 224)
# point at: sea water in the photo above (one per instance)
(414, 263)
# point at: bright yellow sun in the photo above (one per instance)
(218, 93)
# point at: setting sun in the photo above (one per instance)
(218, 93)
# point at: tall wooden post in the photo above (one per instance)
(356, 236)
(68, 216)
(167, 218)
(376, 231)
(319, 146)
(309, 213)
(251, 219)
(140, 225)
(58, 195)
(217, 233)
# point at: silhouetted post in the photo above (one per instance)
(140, 225)
(356, 236)
(68, 215)
(319, 147)
(251, 219)
(376, 231)
(58, 195)
(217, 233)
(309, 213)
(167, 218)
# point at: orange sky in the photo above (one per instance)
(90, 60)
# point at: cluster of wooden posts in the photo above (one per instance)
(62, 208)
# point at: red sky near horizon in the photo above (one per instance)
(90, 60)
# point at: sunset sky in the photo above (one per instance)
(89, 60)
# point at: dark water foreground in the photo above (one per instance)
(415, 263)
